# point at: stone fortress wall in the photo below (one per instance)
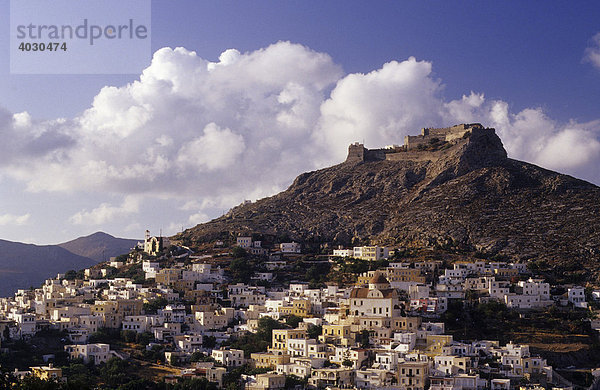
(410, 151)
(443, 134)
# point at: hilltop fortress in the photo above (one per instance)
(427, 146)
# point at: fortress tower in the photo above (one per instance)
(418, 147)
(356, 152)
(442, 134)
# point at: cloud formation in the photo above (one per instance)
(530, 135)
(210, 134)
(11, 219)
(592, 52)
(106, 212)
(380, 107)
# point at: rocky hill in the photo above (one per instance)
(457, 192)
(26, 265)
(99, 246)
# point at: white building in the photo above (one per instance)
(379, 300)
(536, 287)
(516, 301)
(142, 323)
(173, 313)
(418, 291)
(189, 343)
(498, 288)
(372, 253)
(244, 242)
(300, 347)
(289, 247)
(406, 342)
(95, 353)
(576, 296)
(215, 319)
(300, 370)
(229, 357)
(386, 361)
(150, 268)
(343, 252)
(25, 322)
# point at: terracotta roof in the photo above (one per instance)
(359, 292)
(363, 292)
(379, 279)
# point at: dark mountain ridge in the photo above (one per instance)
(461, 191)
(26, 265)
(99, 246)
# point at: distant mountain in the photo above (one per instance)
(25, 265)
(99, 246)
(455, 191)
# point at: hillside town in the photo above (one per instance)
(236, 315)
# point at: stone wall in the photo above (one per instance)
(414, 155)
(443, 134)
(358, 153)
(374, 154)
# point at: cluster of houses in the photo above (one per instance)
(383, 332)
(256, 248)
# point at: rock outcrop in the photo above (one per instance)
(464, 193)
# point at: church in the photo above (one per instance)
(378, 300)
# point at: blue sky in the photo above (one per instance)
(527, 68)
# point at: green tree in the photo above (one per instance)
(122, 258)
(292, 381)
(144, 338)
(35, 383)
(195, 384)
(265, 328)
(293, 320)
(241, 270)
(209, 342)
(232, 380)
(105, 335)
(152, 306)
(238, 252)
(129, 336)
(313, 274)
(5, 378)
(155, 354)
(314, 331)
(363, 338)
(378, 264)
(114, 372)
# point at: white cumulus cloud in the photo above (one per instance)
(207, 135)
(107, 212)
(530, 135)
(11, 219)
(592, 52)
(189, 126)
(380, 107)
(215, 149)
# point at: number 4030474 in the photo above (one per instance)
(36, 46)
